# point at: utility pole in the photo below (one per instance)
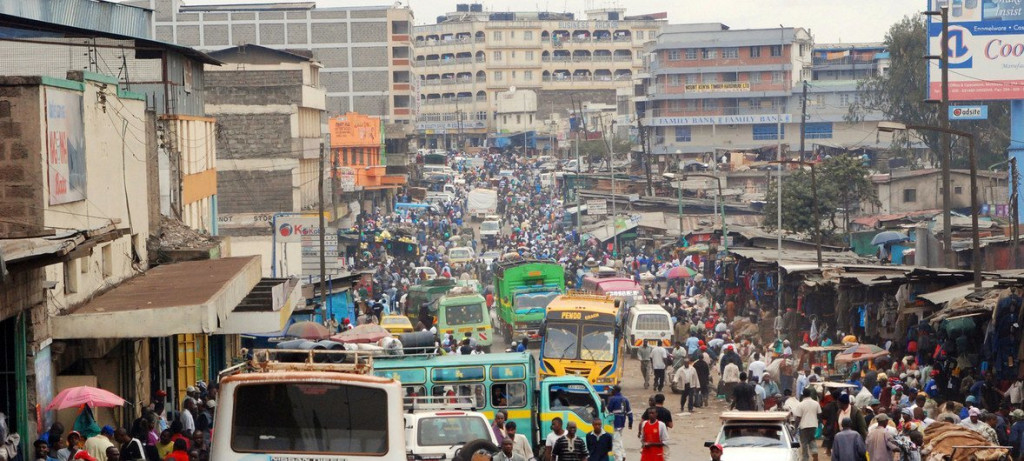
(803, 121)
(323, 245)
(943, 57)
(1014, 211)
(645, 149)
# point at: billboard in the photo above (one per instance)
(986, 50)
(354, 130)
(65, 146)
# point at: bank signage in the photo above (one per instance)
(721, 120)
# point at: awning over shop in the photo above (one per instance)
(941, 297)
(188, 297)
(604, 233)
(796, 260)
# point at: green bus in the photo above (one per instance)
(464, 311)
(505, 381)
(523, 289)
(429, 292)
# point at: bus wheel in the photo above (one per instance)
(469, 450)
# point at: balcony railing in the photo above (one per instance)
(595, 58)
(685, 112)
(447, 62)
(452, 81)
(460, 100)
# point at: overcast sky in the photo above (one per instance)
(831, 21)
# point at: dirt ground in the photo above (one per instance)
(689, 431)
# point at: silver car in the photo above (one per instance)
(756, 435)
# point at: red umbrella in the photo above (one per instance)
(307, 330)
(365, 333)
(84, 395)
(860, 352)
(680, 272)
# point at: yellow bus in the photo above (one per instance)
(581, 338)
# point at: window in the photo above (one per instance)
(675, 79)
(692, 79)
(71, 269)
(708, 53)
(691, 54)
(528, 55)
(497, 56)
(107, 261)
(709, 78)
(655, 322)
(755, 52)
(673, 55)
(462, 394)
(640, 35)
(513, 75)
(818, 130)
(682, 135)
(508, 395)
(519, 119)
(498, 76)
(776, 77)
(909, 195)
(675, 104)
(755, 77)
(322, 418)
(513, 54)
(844, 99)
(497, 35)
(767, 131)
(528, 75)
(958, 190)
(730, 53)
(527, 35)
(776, 50)
(710, 104)
(512, 34)
(691, 104)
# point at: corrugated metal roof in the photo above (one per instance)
(957, 291)
(96, 15)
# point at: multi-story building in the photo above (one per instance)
(707, 88)
(365, 51)
(470, 56)
(854, 61)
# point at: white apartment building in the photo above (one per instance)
(708, 88)
(470, 56)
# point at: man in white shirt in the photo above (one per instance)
(686, 380)
(807, 412)
(756, 368)
(659, 360)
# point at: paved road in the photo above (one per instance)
(690, 430)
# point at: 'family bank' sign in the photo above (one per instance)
(721, 120)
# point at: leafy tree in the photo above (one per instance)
(842, 183)
(900, 96)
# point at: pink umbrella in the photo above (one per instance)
(365, 333)
(84, 395)
(680, 272)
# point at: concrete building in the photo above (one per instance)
(470, 56)
(360, 164)
(516, 111)
(707, 88)
(365, 51)
(907, 191)
(853, 61)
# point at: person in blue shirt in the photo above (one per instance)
(523, 345)
(692, 345)
(599, 443)
(619, 406)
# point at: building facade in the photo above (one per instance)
(708, 88)
(470, 56)
(365, 51)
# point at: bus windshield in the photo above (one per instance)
(597, 343)
(560, 341)
(464, 314)
(310, 418)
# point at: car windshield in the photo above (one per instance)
(527, 301)
(451, 430)
(597, 343)
(762, 435)
(464, 314)
(560, 341)
(488, 226)
(655, 322)
(460, 253)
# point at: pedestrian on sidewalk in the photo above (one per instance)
(659, 361)
(848, 444)
(653, 435)
(644, 355)
(685, 379)
(621, 410)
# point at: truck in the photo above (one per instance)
(323, 406)
(490, 228)
(463, 311)
(427, 292)
(482, 202)
(523, 289)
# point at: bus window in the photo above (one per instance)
(310, 418)
(508, 395)
(464, 394)
(598, 343)
(413, 391)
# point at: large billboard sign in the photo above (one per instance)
(986, 50)
(65, 146)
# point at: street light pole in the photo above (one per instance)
(814, 198)
(947, 157)
(725, 235)
(972, 158)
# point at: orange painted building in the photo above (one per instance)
(356, 147)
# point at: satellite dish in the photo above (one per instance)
(512, 89)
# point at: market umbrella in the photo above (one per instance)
(886, 237)
(84, 395)
(307, 330)
(860, 352)
(365, 333)
(698, 248)
(680, 272)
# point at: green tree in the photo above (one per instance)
(900, 93)
(843, 184)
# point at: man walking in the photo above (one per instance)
(506, 453)
(659, 361)
(743, 395)
(685, 378)
(807, 411)
(619, 406)
(644, 355)
(880, 443)
(570, 447)
(599, 442)
(848, 445)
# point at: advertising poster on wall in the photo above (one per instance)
(65, 146)
(986, 50)
(44, 387)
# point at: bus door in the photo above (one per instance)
(572, 399)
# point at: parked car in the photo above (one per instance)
(437, 435)
(749, 435)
